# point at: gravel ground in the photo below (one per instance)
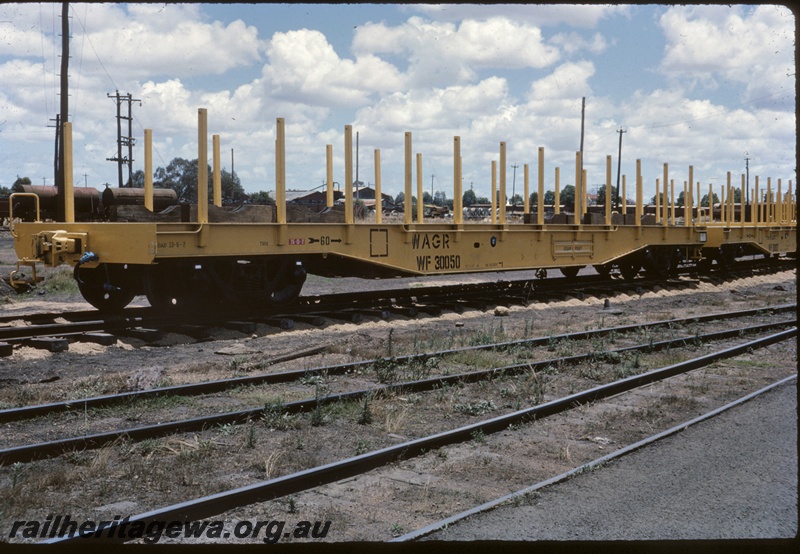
(731, 477)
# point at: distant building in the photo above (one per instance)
(367, 196)
(315, 200)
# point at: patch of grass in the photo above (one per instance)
(479, 359)
(478, 436)
(477, 408)
(275, 417)
(317, 416)
(386, 370)
(591, 373)
(525, 499)
(271, 464)
(312, 380)
(682, 402)
(396, 529)
(533, 388)
(60, 281)
(97, 385)
(393, 417)
(228, 429)
(365, 415)
(362, 447)
(251, 436)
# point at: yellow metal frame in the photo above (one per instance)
(417, 247)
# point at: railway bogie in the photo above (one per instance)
(200, 264)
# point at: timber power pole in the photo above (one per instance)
(514, 184)
(583, 113)
(128, 140)
(63, 116)
(619, 164)
(747, 186)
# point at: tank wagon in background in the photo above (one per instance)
(35, 202)
(206, 258)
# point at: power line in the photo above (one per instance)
(89, 40)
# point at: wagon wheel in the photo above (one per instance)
(571, 271)
(274, 282)
(629, 268)
(604, 269)
(107, 287)
(179, 286)
(704, 264)
(726, 258)
(287, 284)
(660, 261)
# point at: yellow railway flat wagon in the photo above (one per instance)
(205, 256)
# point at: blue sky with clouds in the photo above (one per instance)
(701, 85)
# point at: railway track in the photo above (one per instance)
(331, 472)
(53, 331)
(193, 389)
(29, 453)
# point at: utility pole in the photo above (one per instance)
(356, 166)
(619, 164)
(583, 112)
(62, 203)
(514, 183)
(126, 140)
(747, 187)
(432, 176)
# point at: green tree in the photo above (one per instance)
(180, 175)
(136, 180)
(601, 196)
(534, 198)
(17, 186)
(232, 190)
(517, 200)
(469, 198)
(704, 200)
(261, 197)
(550, 198)
(568, 198)
(440, 198)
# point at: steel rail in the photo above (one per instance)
(303, 480)
(209, 387)
(32, 452)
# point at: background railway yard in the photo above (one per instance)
(289, 426)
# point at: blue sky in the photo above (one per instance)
(700, 85)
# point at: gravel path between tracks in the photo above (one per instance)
(733, 476)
